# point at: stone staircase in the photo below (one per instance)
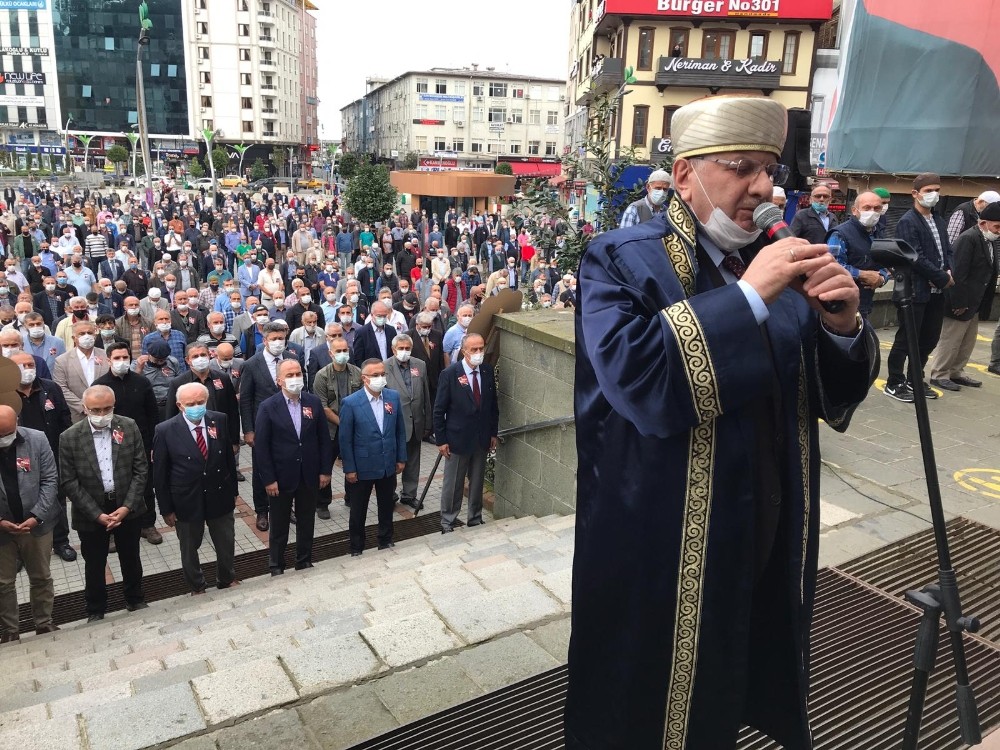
(190, 666)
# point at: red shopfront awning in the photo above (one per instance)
(536, 169)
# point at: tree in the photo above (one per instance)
(503, 168)
(279, 157)
(258, 170)
(117, 155)
(220, 159)
(196, 170)
(350, 165)
(411, 161)
(370, 197)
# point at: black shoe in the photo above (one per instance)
(95, 618)
(900, 392)
(355, 554)
(277, 573)
(929, 393)
(323, 512)
(967, 381)
(387, 546)
(994, 369)
(262, 522)
(67, 553)
(137, 605)
(946, 384)
(447, 531)
(10, 637)
(240, 477)
(409, 502)
(347, 503)
(303, 567)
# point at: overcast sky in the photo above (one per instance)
(357, 39)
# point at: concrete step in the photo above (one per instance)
(278, 640)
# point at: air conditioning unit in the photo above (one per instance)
(460, 123)
(202, 86)
(562, 97)
(203, 109)
(479, 98)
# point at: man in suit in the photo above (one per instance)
(194, 472)
(374, 340)
(320, 356)
(77, 369)
(814, 222)
(293, 451)
(110, 268)
(103, 471)
(408, 377)
(373, 448)
(183, 318)
(50, 303)
(29, 508)
(305, 304)
(258, 382)
(427, 347)
(927, 233)
(466, 421)
(332, 384)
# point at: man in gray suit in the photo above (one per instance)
(77, 369)
(28, 512)
(409, 377)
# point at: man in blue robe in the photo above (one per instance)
(704, 363)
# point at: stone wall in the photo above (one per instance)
(536, 471)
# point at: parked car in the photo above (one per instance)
(271, 183)
(232, 180)
(203, 182)
(313, 183)
(140, 180)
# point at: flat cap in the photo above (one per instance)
(991, 212)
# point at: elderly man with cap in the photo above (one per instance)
(851, 244)
(927, 233)
(974, 267)
(652, 203)
(702, 351)
(967, 215)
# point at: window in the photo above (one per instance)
(202, 4)
(534, 92)
(498, 114)
(517, 116)
(552, 117)
(242, 5)
(498, 90)
(208, 124)
(440, 145)
(109, 42)
(244, 54)
(248, 126)
(458, 146)
(758, 44)
(205, 77)
(668, 115)
(517, 92)
(477, 114)
(515, 148)
(171, 71)
(718, 44)
(245, 79)
(203, 53)
(550, 148)
(246, 102)
(244, 29)
(421, 111)
(533, 147)
(477, 147)
(458, 114)
(459, 87)
(554, 94)
(679, 42)
(477, 89)
(206, 101)
(640, 123)
(791, 55)
(202, 27)
(154, 70)
(496, 147)
(440, 86)
(86, 91)
(645, 60)
(440, 112)
(422, 143)
(534, 117)
(421, 85)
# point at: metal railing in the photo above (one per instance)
(533, 426)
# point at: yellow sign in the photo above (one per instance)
(984, 481)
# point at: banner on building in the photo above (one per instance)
(23, 4)
(28, 79)
(25, 51)
(22, 101)
(941, 68)
(803, 10)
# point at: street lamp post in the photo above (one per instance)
(140, 91)
(69, 119)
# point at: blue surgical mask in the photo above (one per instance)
(195, 413)
(819, 208)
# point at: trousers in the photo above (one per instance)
(927, 317)
(35, 552)
(304, 499)
(359, 493)
(190, 535)
(94, 546)
(958, 339)
(456, 468)
(411, 472)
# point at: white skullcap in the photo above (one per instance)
(778, 192)
(990, 196)
(729, 123)
(661, 175)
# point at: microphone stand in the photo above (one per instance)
(943, 595)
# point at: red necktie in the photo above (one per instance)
(200, 439)
(476, 395)
(735, 265)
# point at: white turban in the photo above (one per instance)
(729, 123)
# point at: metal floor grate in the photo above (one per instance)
(862, 646)
(158, 586)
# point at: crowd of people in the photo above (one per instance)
(152, 342)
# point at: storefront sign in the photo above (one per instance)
(661, 147)
(34, 149)
(32, 79)
(428, 122)
(24, 51)
(819, 10)
(724, 73)
(438, 163)
(441, 98)
(23, 125)
(23, 4)
(22, 101)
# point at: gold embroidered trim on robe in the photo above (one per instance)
(680, 244)
(803, 434)
(696, 359)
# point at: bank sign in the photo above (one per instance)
(804, 10)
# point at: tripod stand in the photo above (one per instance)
(942, 596)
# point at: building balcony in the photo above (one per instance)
(266, 63)
(269, 134)
(607, 74)
(268, 87)
(265, 16)
(266, 41)
(269, 111)
(715, 74)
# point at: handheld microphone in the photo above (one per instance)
(769, 219)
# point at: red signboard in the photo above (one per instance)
(805, 10)
(428, 122)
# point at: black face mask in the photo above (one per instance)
(79, 314)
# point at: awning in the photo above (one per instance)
(535, 169)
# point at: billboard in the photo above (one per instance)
(23, 4)
(918, 90)
(804, 10)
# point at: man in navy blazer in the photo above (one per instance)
(293, 450)
(372, 439)
(194, 474)
(466, 422)
(374, 338)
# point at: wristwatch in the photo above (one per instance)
(859, 323)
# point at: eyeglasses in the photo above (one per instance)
(778, 173)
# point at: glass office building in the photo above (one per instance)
(95, 43)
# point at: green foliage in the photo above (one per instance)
(369, 196)
(258, 170)
(196, 170)
(279, 157)
(411, 160)
(220, 160)
(503, 168)
(144, 21)
(117, 155)
(350, 165)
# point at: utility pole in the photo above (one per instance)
(140, 94)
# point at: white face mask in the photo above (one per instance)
(162, 327)
(8, 440)
(990, 236)
(276, 347)
(722, 230)
(465, 321)
(403, 355)
(86, 341)
(657, 196)
(305, 299)
(476, 359)
(50, 287)
(376, 384)
(353, 299)
(36, 332)
(200, 364)
(293, 385)
(218, 328)
(869, 219)
(342, 358)
(120, 367)
(27, 375)
(100, 423)
(928, 200)
(182, 308)
(379, 320)
(10, 351)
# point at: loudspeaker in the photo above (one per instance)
(796, 151)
